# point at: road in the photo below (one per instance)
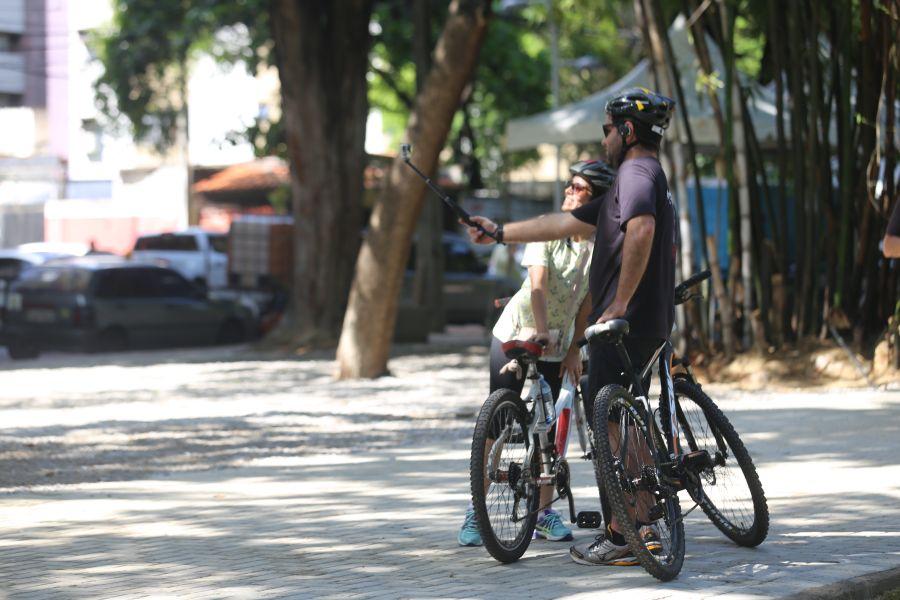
(221, 473)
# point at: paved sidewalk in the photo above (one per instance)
(214, 476)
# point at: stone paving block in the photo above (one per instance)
(366, 482)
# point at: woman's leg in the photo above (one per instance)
(500, 380)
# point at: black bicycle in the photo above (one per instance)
(645, 456)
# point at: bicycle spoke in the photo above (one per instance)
(725, 486)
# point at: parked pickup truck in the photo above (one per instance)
(200, 256)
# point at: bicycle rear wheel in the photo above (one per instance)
(732, 495)
(630, 475)
(503, 469)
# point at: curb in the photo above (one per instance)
(863, 587)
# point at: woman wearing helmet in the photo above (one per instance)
(545, 309)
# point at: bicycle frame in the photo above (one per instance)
(553, 453)
(663, 357)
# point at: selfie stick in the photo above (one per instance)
(458, 210)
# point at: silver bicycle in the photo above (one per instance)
(513, 456)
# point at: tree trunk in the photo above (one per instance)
(372, 310)
(797, 101)
(428, 285)
(722, 298)
(868, 92)
(776, 27)
(706, 66)
(322, 57)
(818, 190)
(741, 174)
(736, 166)
(662, 56)
(844, 119)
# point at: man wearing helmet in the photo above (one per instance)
(632, 273)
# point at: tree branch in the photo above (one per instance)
(389, 79)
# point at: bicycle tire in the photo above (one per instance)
(618, 477)
(729, 489)
(507, 510)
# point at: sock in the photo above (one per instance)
(615, 537)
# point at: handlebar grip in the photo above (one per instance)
(695, 279)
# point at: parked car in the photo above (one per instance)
(51, 250)
(12, 264)
(469, 291)
(107, 303)
(200, 256)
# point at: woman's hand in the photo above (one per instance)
(571, 365)
(541, 337)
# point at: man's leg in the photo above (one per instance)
(605, 368)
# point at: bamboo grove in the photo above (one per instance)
(834, 69)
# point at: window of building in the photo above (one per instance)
(10, 100)
(9, 42)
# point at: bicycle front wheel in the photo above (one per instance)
(504, 466)
(630, 473)
(730, 492)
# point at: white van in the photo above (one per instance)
(200, 256)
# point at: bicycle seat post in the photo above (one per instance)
(630, 371)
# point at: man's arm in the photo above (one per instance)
(555, 226)
(635, 255)
(891, 246)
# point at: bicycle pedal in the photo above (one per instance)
(589, 519)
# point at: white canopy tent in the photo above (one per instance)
(582, 121)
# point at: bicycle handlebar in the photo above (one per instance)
(681, 290)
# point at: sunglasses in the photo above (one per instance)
(577, 186)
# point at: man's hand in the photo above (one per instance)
(613, 311)
(476, 235)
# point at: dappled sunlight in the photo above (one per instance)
(230, 470)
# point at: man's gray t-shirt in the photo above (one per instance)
(640, 189)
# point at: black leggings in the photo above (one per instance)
(550, 371)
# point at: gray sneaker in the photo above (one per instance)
(602, 551)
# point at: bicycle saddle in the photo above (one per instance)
(610, 331)
(521, 349)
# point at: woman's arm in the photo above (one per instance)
(538, 276)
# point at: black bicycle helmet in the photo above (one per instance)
(645, 107)
(597, 173)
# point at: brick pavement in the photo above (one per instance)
(219, 477)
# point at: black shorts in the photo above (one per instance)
(605, 367)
